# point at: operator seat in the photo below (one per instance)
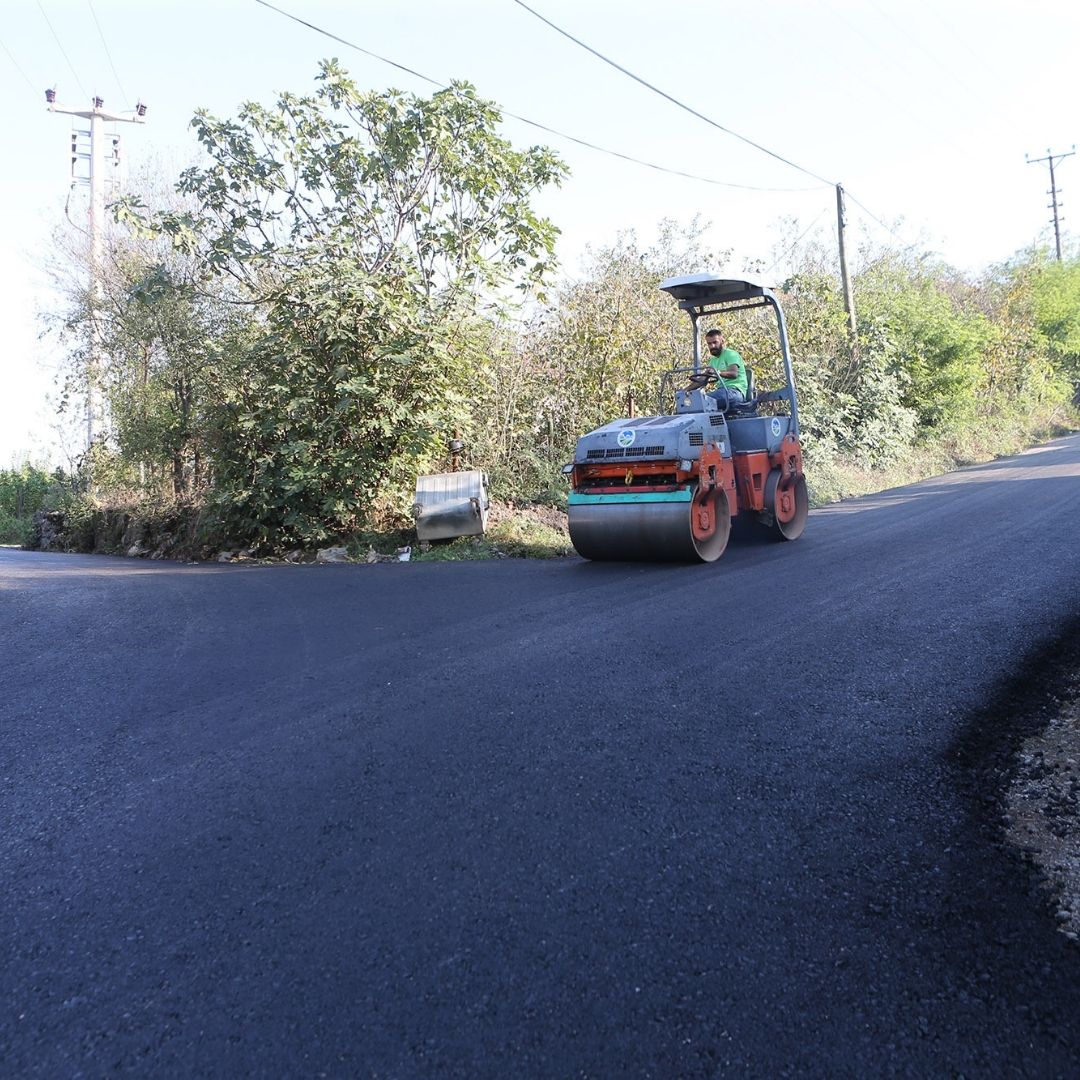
(747, 407)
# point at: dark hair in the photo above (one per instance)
(717, 333)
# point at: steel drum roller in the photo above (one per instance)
(648, 532)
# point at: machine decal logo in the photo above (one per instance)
(626, 437)
(776, 425)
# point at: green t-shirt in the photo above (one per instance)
(725, 360)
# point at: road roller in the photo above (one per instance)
(668, 487)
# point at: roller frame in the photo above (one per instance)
(630, 501)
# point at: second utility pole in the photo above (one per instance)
(845, 281)
(1053, 160)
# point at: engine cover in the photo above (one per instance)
(654, 438)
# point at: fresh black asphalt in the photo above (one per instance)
(544, 818)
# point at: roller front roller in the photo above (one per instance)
(693, 528)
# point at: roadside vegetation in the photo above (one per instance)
(25, 490)
(293, 330)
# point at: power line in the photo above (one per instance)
(78, 81)
(108, 54)
(925, 118)
(798, 240)
(583, 142)
(522, 119)
(700, 116)
(673, 100)
(917, 41)
(963, 39)
(19, 69)
(349, 44)
(649, 164)
(892, 232)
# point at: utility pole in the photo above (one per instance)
(98, 116)
(845, 280)
(1052, 160)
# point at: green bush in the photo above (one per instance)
(15, 530)
(23, 492)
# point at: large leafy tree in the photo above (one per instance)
(365, 232)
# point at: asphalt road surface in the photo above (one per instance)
(543, 819)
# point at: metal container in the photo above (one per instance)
(451, 504)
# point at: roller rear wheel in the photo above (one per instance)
(788, 507)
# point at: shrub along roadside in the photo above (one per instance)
(832, 477)
(23, 492)
(347, 280)
(15, 531)
(185, 530)
(162, 529)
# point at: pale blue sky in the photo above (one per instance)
(923, 109)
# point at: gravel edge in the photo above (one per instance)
(1042, 810)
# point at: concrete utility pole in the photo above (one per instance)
(845, 280)
(97, 117)
(1052, 160)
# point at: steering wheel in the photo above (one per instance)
(705, 377)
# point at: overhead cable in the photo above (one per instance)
(798, 240)
(700, 116)
(522, 119)
(18, 68)
(105, 44)
(891, 232)
(674, 100)
(78, 81)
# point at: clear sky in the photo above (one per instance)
(922, 109)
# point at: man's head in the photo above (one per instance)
(714, 342)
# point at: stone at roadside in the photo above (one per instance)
(332, 555)
(48, 530)
(224, 556)
(373, 557)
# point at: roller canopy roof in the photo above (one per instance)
(709, 289)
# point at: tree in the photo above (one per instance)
(366, 232)
(173, 338)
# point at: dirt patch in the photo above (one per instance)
(550, 516)
(1042, 810)
(1017, 761)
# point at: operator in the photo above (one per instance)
(729, 366)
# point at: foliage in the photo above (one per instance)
(296, 332)
(24, 491)
(596, 354)
(1056, 304)
(936, 339)
(14, 530)
(366, 231)
(174, 348)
